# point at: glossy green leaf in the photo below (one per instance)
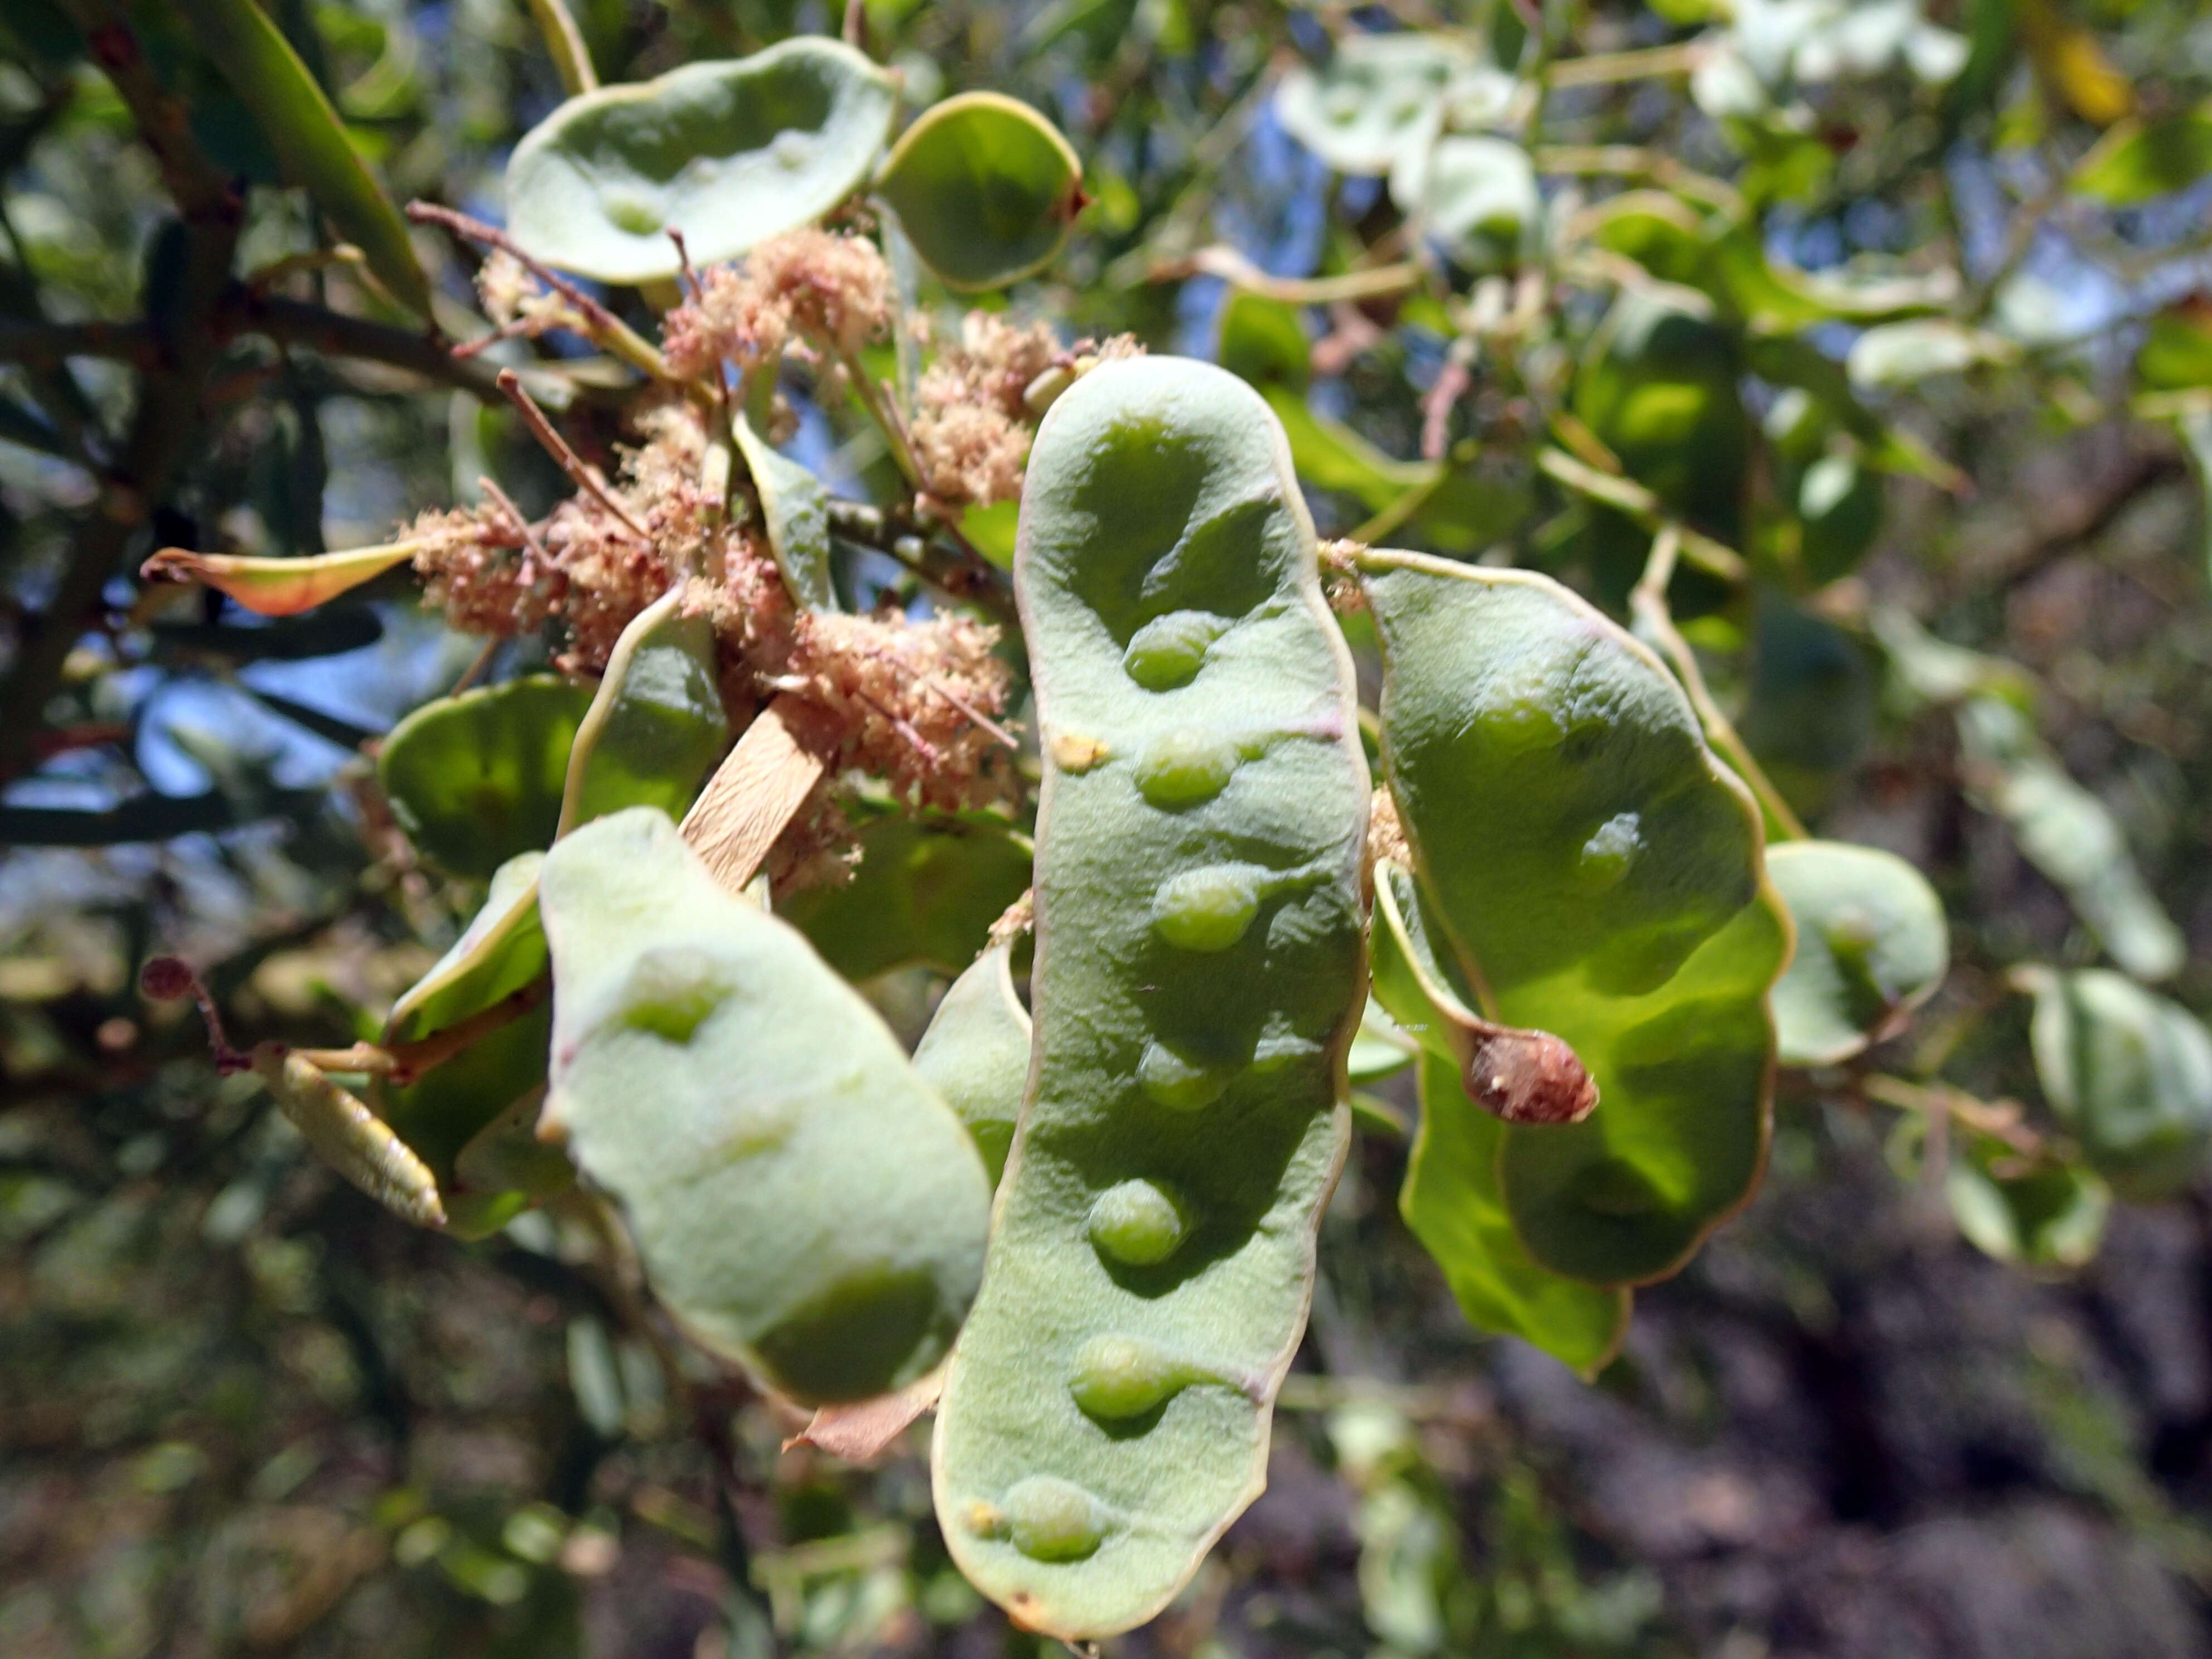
(985, 187)
(1197, 982)
(1381, 1048)
(2131, 1074)
(1263, 342)
(1451, 1198)
(1872, 945)
(1379, 97)
(729, 153)
(1598, 873)
(348, 1136)
(475, 779)
(795, 507)
(1329, 455)
(976, 1053)
(2028, 1213)
(2067, 833)
(439, 1114)
(2140, 162)
(802, 1201)
(925, 893)
(309, 139)
(1810, 703)
(656, 727)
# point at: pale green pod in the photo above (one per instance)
(2131, 1074)
(803, 1202)
(976, 1053)
(1452, 1198)
(348, 1136)
(1597, 872)
(1107, 1412)
(1872, 946)
(730, 153)
(441, 1113)
(985, 187)
(795, 509)
(656, 726)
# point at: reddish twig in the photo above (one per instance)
(557, 447)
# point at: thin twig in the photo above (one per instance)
(1641, 504)
(1647, 603)
(557, 447)
(618, 336)
(402, 1063)
(523, 527)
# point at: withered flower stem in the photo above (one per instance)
(557, 447)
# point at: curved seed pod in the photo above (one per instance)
(976, 1053)
(730, 153)
(1872, 946)
(655, 728)
(444, 1112)
(985, 189)
(2130, 1074)
(796, 508)
(1452, 1198)
(476, 780)
(348, 1136)
(1197, 982)
(277, 588)
(804, 1203)
(1597, 873)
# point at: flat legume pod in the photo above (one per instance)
(1598, 874)
(1198, 979)
(803, 1202)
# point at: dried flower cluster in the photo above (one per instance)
(971, 434)
(519, 303)
(831, 291)
(912, 702)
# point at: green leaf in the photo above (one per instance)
(2031, 1214)
(1658, 387)
(1380, 1049)
(1263, 342)
(2195, 430)
(656, 727)
(1197, 982)
(925, 893)
(1477, 198)
(985, 187)
(1381, 96)
(2130, 1074)
(438, 1115)
(309, 139)
(1329, 455)
(1598, 872)
(729, 153)
(2067, 833)
(976, 1053)
(796, 508)
(802, 1201)
(1872, 945)
(2140, 162)
(2177, 351)
(475, 780)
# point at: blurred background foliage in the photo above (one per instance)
(1905, 309)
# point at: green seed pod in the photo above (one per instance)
(803, 1202)
(348, 1136)
(730, 153)
(1597, 873)
(656, 726)
(976, 1053)
(1872, 946)
(2131, 1074)
(443, 1112)
(1451, 1199)
(1198, 979)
